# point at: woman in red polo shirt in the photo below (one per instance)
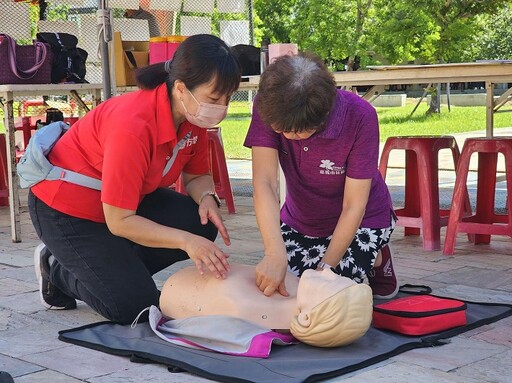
(102, 247)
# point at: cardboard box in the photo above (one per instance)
(124, 68)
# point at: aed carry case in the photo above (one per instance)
(419, 315)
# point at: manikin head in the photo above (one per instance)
(323, 309)
(333, 310)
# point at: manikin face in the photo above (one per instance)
(333, 310)
(317, 286)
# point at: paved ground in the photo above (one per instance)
(31, 352)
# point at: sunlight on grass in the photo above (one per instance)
(396, 121)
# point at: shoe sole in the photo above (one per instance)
(389, 296)
(37, 267)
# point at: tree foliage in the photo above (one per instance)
(333, 29)
(274, 20)
(383, 31)
(431, 31)
(495, 41)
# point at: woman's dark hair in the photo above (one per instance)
(198, 60)
(296, 94)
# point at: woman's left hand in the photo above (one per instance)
(209, 211)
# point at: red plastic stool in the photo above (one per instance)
(23, 108)
(4, 188)
(218, 170)
(26, 127)
(421, 205)
(485, 221)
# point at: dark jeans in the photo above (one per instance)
(112, 274)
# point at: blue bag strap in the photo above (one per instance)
(180, 145)
(74, 178)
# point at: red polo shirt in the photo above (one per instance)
(125, 142)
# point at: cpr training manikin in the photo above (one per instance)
(323, 308)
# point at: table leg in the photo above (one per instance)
(14, 199)
(489, 125)
(96, 98)
(79, 102)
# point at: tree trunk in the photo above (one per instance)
(350, 64)
(42, 9)
(435, 99)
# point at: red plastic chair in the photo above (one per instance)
(218, 170)
(4, 185)
(26, 127)
(421, 211)
(485, 222)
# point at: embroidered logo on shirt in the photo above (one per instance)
(327, 167)
(191, 141)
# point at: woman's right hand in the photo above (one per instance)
(270, 275)
(204, 253)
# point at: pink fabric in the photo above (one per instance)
(218, 333)
(276, 50)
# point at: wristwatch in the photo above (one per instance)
(210, 193)
(323, 265)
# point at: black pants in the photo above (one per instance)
(112, 274)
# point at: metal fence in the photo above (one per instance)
(137, 20)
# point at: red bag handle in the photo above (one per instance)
(40, 57)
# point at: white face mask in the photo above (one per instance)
(207, 115)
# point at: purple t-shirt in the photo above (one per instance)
(316, 168)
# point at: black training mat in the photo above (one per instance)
(286, 364)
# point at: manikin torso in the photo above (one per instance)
(187, 293)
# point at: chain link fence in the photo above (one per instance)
(136, 20)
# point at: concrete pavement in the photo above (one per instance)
(31, 352)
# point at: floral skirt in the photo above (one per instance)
(305, 252)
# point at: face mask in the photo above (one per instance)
(207, 115)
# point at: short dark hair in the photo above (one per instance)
(198, 60)
(296, 94)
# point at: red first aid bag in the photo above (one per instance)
(419, 315)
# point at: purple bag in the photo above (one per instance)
(24, 64)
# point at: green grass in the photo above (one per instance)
(393, 122)
(396, 121)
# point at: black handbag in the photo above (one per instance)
(68, 60)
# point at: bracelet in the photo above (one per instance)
(324, 265)
(210, 193)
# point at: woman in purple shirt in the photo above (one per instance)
(338, 211)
